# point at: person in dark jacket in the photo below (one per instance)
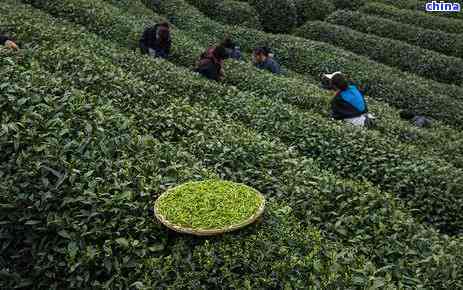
(417, 120)
(232, 48)
(156, 40)
(210, 64)
(263, 60)
(8, 42)
(268, 51)
(349, 102)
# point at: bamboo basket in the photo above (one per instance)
(209, 232)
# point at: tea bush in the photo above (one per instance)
(449, 44)
(395, 168)
(313, 10)
(420, 6)
(348, 4)
(387, 84)
(395, 53)
(277, 16)
(414, 18)
(229, 12)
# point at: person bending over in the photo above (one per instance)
(349, 102)
(210, 64)
(156, 40)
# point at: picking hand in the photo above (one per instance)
(11, 44)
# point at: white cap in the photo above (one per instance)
(330, 76)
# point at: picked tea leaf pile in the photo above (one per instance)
(211, 204)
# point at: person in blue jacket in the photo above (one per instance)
(263, 60)
(349, 102)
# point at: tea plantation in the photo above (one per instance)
(92, 132)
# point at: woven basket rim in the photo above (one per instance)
(210, 232)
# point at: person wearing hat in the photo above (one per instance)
(8, 42)
(349, 102)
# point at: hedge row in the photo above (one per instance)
(293, 266)
(415, 18)
(402, 90)
(349, 4)
(449, 44)
(416, 60)
(276, 16)
(308, 10)
(420, 6)
(392, 166)
(439, 141)
(229, 12)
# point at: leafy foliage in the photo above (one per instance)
(415, 18)
(395, 53)
(313, 10)
(229, 12)
(449, 44)
(93, 132)
(277, 16)
(418, 5)
(348, 4)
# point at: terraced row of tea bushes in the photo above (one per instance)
(449, 44)
(277, 218)
(315, 137)
(349, 4)
(442, 141)
(420, 6)
(229, 12)
(313, 10)
(414, 18)
(276, 16)
(416, 60)
(403, 90)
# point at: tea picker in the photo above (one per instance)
(349, 102)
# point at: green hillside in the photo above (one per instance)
(92, 132)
